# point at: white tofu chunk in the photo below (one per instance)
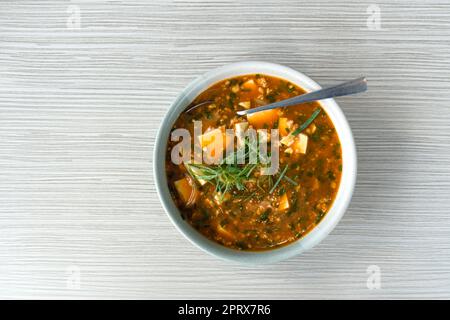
(289, 150)
(288, 140)
(219, 198)
(301, 143)
(245, 104)
(195, 172)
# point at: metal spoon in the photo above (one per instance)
(203, 103)
(343, 89)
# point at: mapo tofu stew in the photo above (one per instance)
(233, 202)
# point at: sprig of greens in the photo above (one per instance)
(229, 173)
(224, 177)
(307, 122)
(282, 174)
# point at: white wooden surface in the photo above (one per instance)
(80, 108)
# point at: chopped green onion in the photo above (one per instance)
(290, 180)
(279, 179)
(307, 122)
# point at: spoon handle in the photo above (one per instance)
(343, 89)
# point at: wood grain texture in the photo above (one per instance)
(80, 108)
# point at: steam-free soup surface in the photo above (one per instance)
(258, 212)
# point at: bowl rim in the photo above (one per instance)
(328, 222)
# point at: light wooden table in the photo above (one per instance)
(80, 105)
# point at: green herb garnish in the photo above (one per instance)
(291, 181)
(224, 177)
(307, 122)
(229, 174)
(279, 179)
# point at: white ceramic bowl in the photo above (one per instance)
(343, 196)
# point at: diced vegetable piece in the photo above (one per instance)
(262, 82)
(315, 184)
(245, 104)
(289, 150)
(311, 129)
(239, 129)
(284, 202)
(224, 232)
(288, 140)
(284, 126)
(185, 190)
(263, 119)
(219, 198)
(235, 88)
(195, 172)
(241, 126)
(301, 143)
(249, 85)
